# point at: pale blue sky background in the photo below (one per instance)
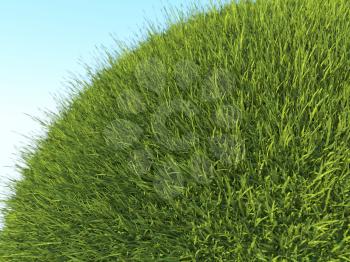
(41, 42)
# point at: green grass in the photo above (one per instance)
(224, 138)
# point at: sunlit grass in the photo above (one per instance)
(224, 138)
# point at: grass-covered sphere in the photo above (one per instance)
(224, 138)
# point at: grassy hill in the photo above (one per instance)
(224, 138)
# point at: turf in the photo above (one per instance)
(223, 138)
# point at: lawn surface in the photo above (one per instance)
(224, 138)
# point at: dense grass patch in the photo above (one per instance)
(224, 138)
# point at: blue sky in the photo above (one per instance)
(42, 43)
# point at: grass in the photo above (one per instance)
(224, 138)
